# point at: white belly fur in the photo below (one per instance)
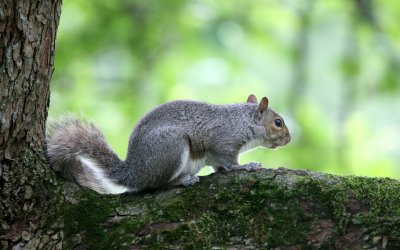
(251, 144)
(188, 165)
(192, 167)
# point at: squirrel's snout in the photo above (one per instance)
(287, 139)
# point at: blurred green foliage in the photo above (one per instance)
(331, 68)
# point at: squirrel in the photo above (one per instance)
(168, 146)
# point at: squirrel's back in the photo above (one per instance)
(192, 116)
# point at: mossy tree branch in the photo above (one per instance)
(264, 209)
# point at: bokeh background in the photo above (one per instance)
(331, 68)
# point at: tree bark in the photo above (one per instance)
(27, 43)
(271, 208)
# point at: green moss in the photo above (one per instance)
(231, 214)
(86, 216)
(381, 195)
(89, 216)
(246, 209)
(279, 220)
(383, 198)
(327, 199)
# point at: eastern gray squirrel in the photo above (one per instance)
(167, 147)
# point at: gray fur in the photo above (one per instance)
(158, 143)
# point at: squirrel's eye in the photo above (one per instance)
(278, 122)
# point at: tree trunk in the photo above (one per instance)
(27, 42)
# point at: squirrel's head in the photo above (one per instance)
(277, 134)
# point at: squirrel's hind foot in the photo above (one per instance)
(185, 180)
(252, 166)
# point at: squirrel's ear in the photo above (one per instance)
(252, 99)
(263, 105)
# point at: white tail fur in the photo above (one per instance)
(96, 180)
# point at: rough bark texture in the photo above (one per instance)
(271, 208)
(27, 42)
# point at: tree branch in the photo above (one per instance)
(290, 209)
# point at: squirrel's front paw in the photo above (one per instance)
(252, 166)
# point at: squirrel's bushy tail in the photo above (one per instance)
(79, 152)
